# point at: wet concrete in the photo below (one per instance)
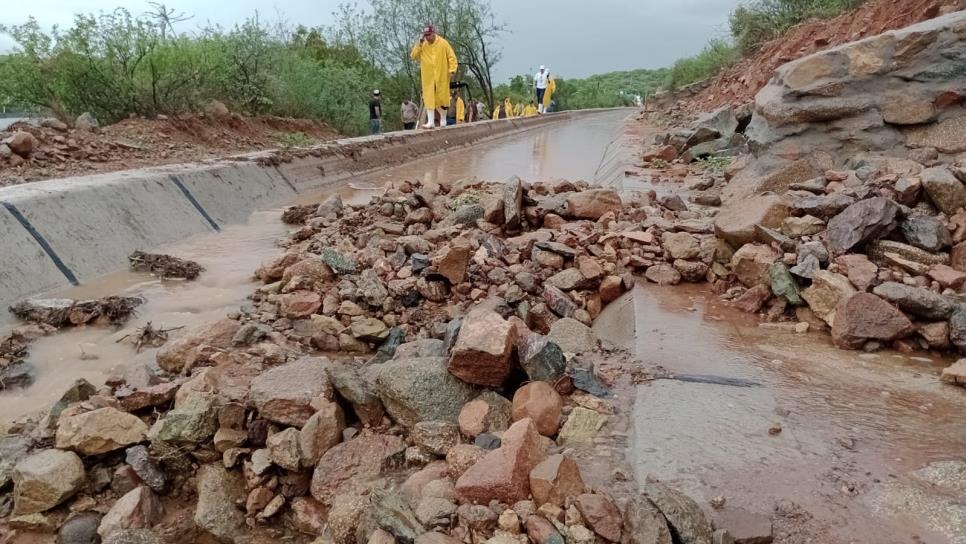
(571, 149)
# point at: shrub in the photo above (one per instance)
(715, 56)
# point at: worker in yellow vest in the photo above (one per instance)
(530, 110)
(437, 66)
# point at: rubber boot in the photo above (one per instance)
(430, 120)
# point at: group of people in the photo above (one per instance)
(443, 106)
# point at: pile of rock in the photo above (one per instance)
(716, 134)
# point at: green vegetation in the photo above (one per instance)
(608, 90)
(752, 24)
(715, 165)
(293, 139)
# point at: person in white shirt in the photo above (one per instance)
(540, 80)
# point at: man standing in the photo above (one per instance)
(437, 65)
(375, 113)
(409, 114)
(540, 80)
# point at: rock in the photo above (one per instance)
(308, 516)
(358, 392)
(864, 317)
(193, 421)
(436, 437)
(644, 524)
(462, 457)
(784, 285)
(807, 266)
(861, 222)
(22, 143)
(581, 426)
(483, 349)
(936, 334)
(390, 513)
(823, 206)
(435, 512)
(601, 515)
(140, 508)
(452, 262)
(926, 232)
(467, 216)
(612, 287)
(284, 394)
(944, 190)
(79, 391)
(684, 516)
(796, 227)
(133, 536)
(339, 263)
(908, 190)
(489, 413)
(512, 203)
(300, 304)
(956, 373)
(573, 336)
(346, 516)
(175, 356)
(539, 403)
(283, 449)
(568, 280)
(663, 274)
(555, 480)
(542, 531)
(736, 222)
(691, 271)
(752, 262)
(80, 529)
(45, 479)
(947, 276)
(746, 527)
(373, 290)
(666, 153)
(99, 431)
(681, 245)
(218, 493)
(902, 108)
(421, 389)
(828, 289)
(859, 269)
(436, 538)
(752, 300)
(558, 301)
(918, 301)
(593, 203)
(138, 458)
(503, 474)
(321, 432)
(352, 465)
(369, 329)
(541, 358)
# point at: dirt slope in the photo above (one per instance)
(739, 84)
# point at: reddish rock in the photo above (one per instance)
(957, 257)
(935, 334)
(555, 480)
(140, 508)
(947, 276)
(753, 299)
(463, 456)
(313, 273)
(452, 261)
(750, 264)
(736, 223)
(351, 465)
(299, 304)
(154, 395)
(593, 203)
(483, 350)
(321, 432)
(487, 414)
(539, 402)
(611, 288)
(589, 268)
(285, 394)
(865, 317)
(666, 153)
(504, 474)
(558, 302)
(186, 351)
(308, 515)
(600, 514)
(859, 269)
(955, 374)
(22, 143)
(542, 531)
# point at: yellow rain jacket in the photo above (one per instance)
(436, 62)
(518, 110)
(530, 110)
(507, 108)
(548, 94)
(460, 110)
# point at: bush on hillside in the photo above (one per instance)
(716, 56)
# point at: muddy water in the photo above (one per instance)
(855, 428)
(572, 149)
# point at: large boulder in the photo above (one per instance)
(687, 520)
(45, 479)
(864, 317)
(504, 474)
(736, 223)
(99, 431)
(861, 222)
(421, 389)
(354, 465)
(593, 203)
(918, 301)
(555, 480)
(284, 394)
(483, 350)
(184, 352)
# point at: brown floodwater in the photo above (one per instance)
(571, 149)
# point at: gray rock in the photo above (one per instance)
(541, 358)
(823, 206)
(13, 448)
(945, 191)
(466, 216)
(572, 336)
(421, 389)
(918, 301)
(784, 285)
(140, 460)
(79, 391)
(807, 267)
(436, 437)
(339, 263)
(861, 222)
(512, 203)
(685, 517)
(926, 232)
(80, 529)
(218, 492)
(358, 392)
(45, 479)
(194, 421)
(644, 524)
(331, 207)
(372, 288)
(957, 329)
(393, 514)
(133, 536)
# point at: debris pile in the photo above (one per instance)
(459, 387)
(165, 266)
(61, 312)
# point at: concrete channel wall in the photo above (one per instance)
(56, 233)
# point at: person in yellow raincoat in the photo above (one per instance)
(548, 94)
(460, 110)
(518, 110)
(437, 65)
(530, 110)
(506, 109)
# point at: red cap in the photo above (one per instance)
(430, 29)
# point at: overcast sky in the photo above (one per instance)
(574, 39)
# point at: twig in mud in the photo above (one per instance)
(165, 266)
(148, 336)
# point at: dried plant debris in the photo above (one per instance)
(165, 266)
(60, 313)
(147, 336)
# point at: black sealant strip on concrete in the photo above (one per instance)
(25, 223)
(194, 202)
(286, 180)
